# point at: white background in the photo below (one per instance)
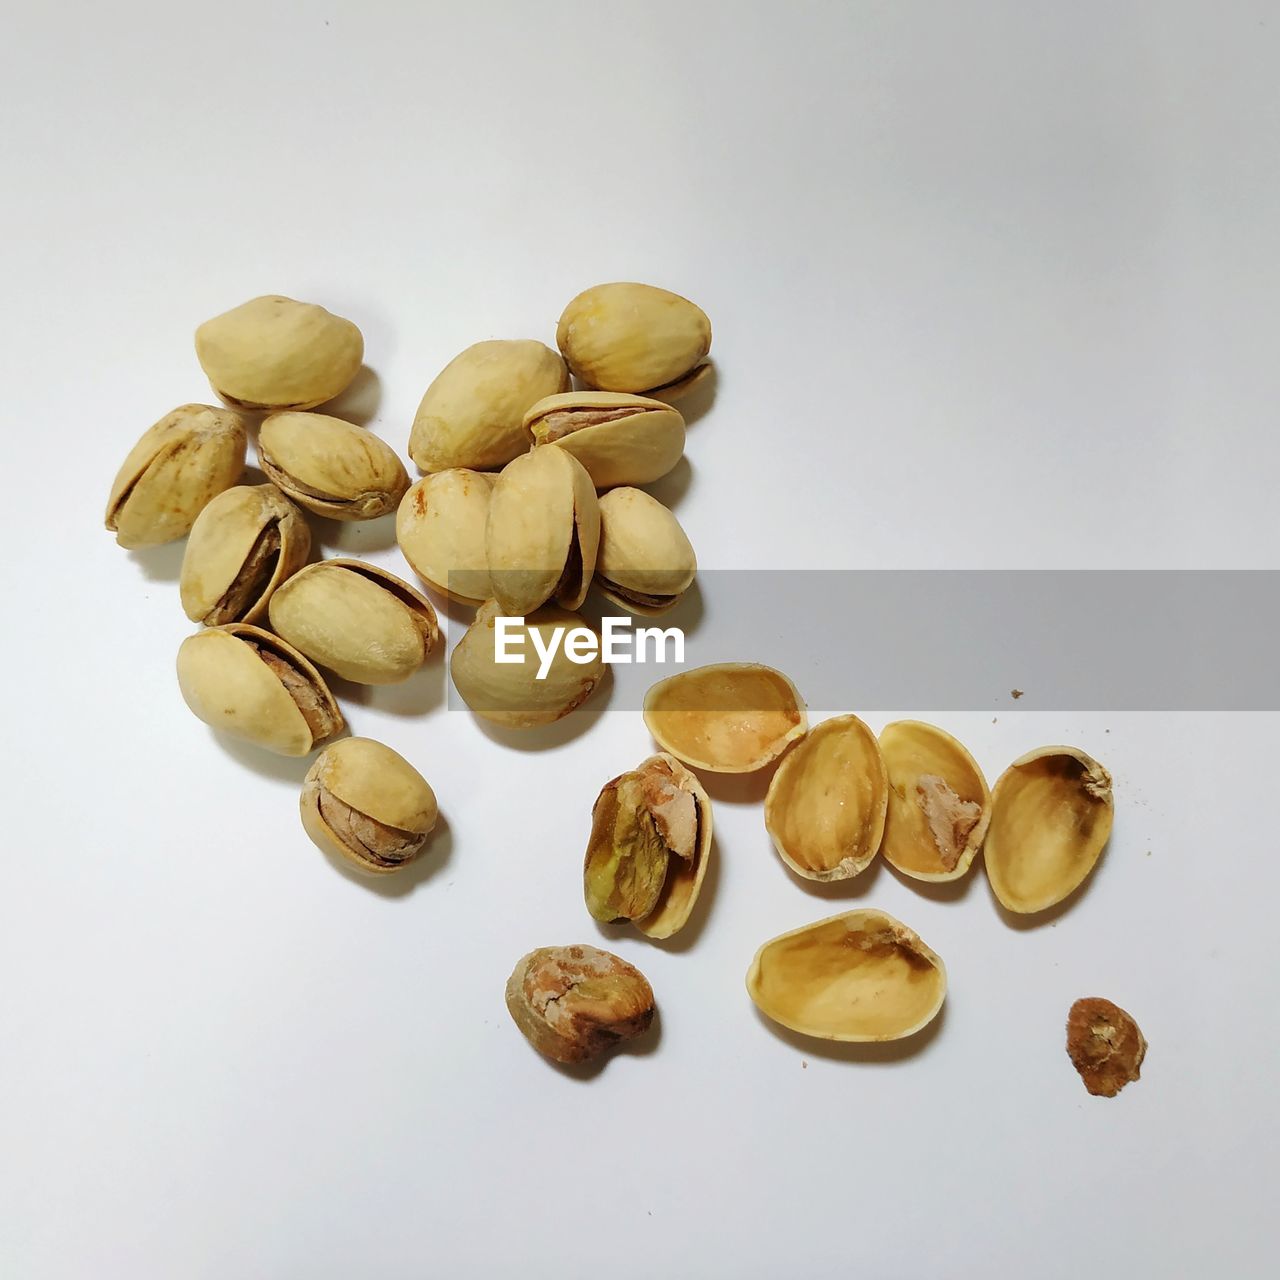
(993, 285)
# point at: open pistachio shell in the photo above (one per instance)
(1051, 813)
(860, 976)
(731, 717)
(620, 439)
(440, 527)
(251, 684)
(542, 532)
(939, 804)
(826, 803)
(645, 562)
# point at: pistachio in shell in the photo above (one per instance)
(252, 685)
(857, 977)
(730, 717)
(174, 471)
(1051, 814)
(276, 353)
(939, 802)
(645, 562)
(440, 526)
(358, 621)
(366, 804)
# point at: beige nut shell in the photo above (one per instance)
(440, 526)
(646, 562)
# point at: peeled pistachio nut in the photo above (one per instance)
(359, 621)
(730, 717)
(542, 532)
(243, 545)
(645, 562)
(176, 468)
(649, 846)
(331, 467)
(275, 353)
(253, 685)
(620, 439)
(939, 804)
(632, 337)
(1105, 1046)
(440, 526)
(574, 1003)
(860, 976)
(511, 694)
(1051, 813)
(472, 415)
(367, 804)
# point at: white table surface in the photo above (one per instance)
(993, 285)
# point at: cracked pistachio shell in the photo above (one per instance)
(178, 466)
(359, 621)
(542, 532)
(860, 976)
(632, 337)
(251, 684)
(510, 694)
(1051, 813)
(472, 415)
(939, 803)
(620, 439)
(275, 353)
(645, 562)
(825, 808)
(331, 467)
(731, 717)
(243, 545)
(440, 527)
(368, 805)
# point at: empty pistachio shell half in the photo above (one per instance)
(939, 804)
(472, 415)
(510, 693)
(359, 621)
(731, 717)
(620, 439)
(859, 976)
(1051, 813)
(632, 337)
(574, 1003)
(440, 527)
(275, 353)
(178, 466)
(330, 466)
(542, 532)
(645, 562)
(243, 545)
(367, 804)
(251, 684)
(649, 846)
(826, 803)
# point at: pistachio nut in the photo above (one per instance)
(1051, 813)
(731, 717)
(649, 846)
(440, 526)
(189, 457)
(243, 545)
(367, 804)
(645, 562)
(275, 353)
(860, 976)
(939, 804)
(511, 693)
(632, 337)
(542, 532)
(251, 684)
(1105, 1045)
(331, 467)
(574, 1003)
(472, 415)
(620, 439)
(358, 621)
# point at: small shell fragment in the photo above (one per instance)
(1105, 1045)
(440, 527)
